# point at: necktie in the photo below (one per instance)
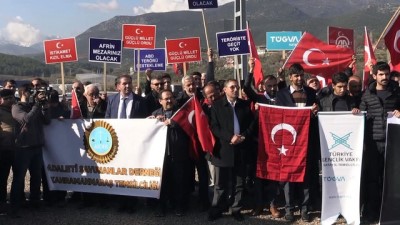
(123, 110)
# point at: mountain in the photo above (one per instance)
(263, 15)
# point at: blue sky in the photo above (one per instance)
(26, 22)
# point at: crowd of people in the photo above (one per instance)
(232, 113)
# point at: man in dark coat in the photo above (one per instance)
(381, 96)
(175, 176)
(232, 124)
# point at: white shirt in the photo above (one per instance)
(129, 102)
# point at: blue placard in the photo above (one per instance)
(201, 4)
(232, 43)
(151, 59)
(105, 50)
(285, 40)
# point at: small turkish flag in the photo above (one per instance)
(204, 134)
(283, 142)
(258, 71)
(369, 57)
(184, 117)
(319, 58)
(76, 112)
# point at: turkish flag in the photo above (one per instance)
(283, 142)
(204, 134)
(319, 58)
(76, 112)
(392, 42)
(258, 72)
(369, 57)
(184, 117)
(178, 68)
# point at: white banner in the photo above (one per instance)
(341, 135)
(122, 157)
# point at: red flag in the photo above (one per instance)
(369, 57)
(258, 72)
(319, 58)
(184, 117)
(283, 143)
(204, 133)
(392, 42)
(76, 112)
(178, 68)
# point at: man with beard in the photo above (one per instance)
(270, 85)
(381, 96)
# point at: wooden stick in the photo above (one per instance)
(138, 68)
(395, 15)
(105, 77)
(205, 29)
(62, 78)
(184, 69)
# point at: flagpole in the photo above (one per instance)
(287, 59)
(182, 106)
(62, 78)
(138, 68)
(105, 77)
(205, 29)
(395, 15)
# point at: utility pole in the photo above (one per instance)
(239, 23)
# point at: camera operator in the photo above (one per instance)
(31, 113)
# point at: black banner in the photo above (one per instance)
(390, 212)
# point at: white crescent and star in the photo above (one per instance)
(59, 45)
(307, 53)
(283, 126)
(190, 117)
(396, 42)
(182, 44)
(138, 31)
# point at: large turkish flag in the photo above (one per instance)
(283, 142)
(319, 58)
(392, 42)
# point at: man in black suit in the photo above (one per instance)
(232, 123)
(299, 95)
(126, 105)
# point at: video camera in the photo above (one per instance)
(40, 95)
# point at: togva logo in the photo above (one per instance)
(286, 40)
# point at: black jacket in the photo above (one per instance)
(375, 128)
(327, 102)
(177, 147)
(222, 126)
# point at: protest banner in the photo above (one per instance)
(150, 59)
(341, 139)
(60, 50)
(285, 40)
(391, 185)
(232, 43)
(106, 156)
(201, 4)
(138, 36)
(183, 50)
(341, 37)
(105, 50)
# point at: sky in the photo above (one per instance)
(26, 22)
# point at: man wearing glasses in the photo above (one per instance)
(151, 98)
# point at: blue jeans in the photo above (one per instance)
(30, 157)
